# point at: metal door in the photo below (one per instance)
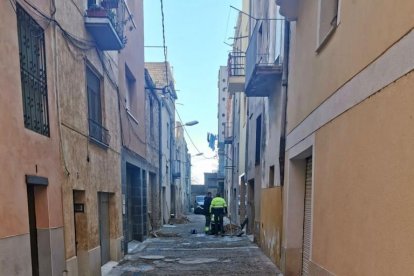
(307, 219)
(104, 226)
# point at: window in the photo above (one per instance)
(328, 19)
(32, 54)
(258, 139)
(272, 176)
(130, 90)
(93, 86)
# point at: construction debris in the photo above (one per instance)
(231, 228)
(179, 220)
(159, 234)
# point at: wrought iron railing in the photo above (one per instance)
(236, 64)
(259, 53)
(98, 132)
(115, 10)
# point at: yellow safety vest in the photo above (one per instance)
(218, 202)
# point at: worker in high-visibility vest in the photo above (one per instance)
(218, 208)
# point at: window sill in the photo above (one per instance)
(326, 39)
(98, 143)
(132, 116)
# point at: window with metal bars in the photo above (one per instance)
(97, 132)
(32, 54)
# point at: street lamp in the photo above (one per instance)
(191, 123)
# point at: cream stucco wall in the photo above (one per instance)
(359, 39)
(90, 169)
(363, 187)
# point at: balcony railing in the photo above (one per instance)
(98, 133)
(263, 67)
(236, 63)
(236, 69)
(105, 22)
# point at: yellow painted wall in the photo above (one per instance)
(271, 222)
(366, 30)
(363, 186)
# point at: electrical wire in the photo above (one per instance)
(163, 42)
(13, 5)
(227, 25)
(167, 71)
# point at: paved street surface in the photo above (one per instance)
(194, 254)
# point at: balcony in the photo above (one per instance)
(289, 9)
(105, 22)
(98, 134)
(235, 66)
(263, 69)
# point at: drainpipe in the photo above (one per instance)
(284, 99)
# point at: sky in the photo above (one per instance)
(195, 32)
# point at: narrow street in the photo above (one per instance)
(194, 254)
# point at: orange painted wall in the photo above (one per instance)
(363, 187)
(21, 150)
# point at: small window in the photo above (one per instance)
(130, 90)
(272, 176)
(31, 38)
(258, 139)
(328, 19)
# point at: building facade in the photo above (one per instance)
(135, 169)
(31, 232)
(255, 77)
(154, 155)
(181, 174)
(89, 98)
(223, 127)
(348, 145)
(164, 82)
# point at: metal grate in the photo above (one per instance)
(33, 72)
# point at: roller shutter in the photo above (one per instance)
(307, 219)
